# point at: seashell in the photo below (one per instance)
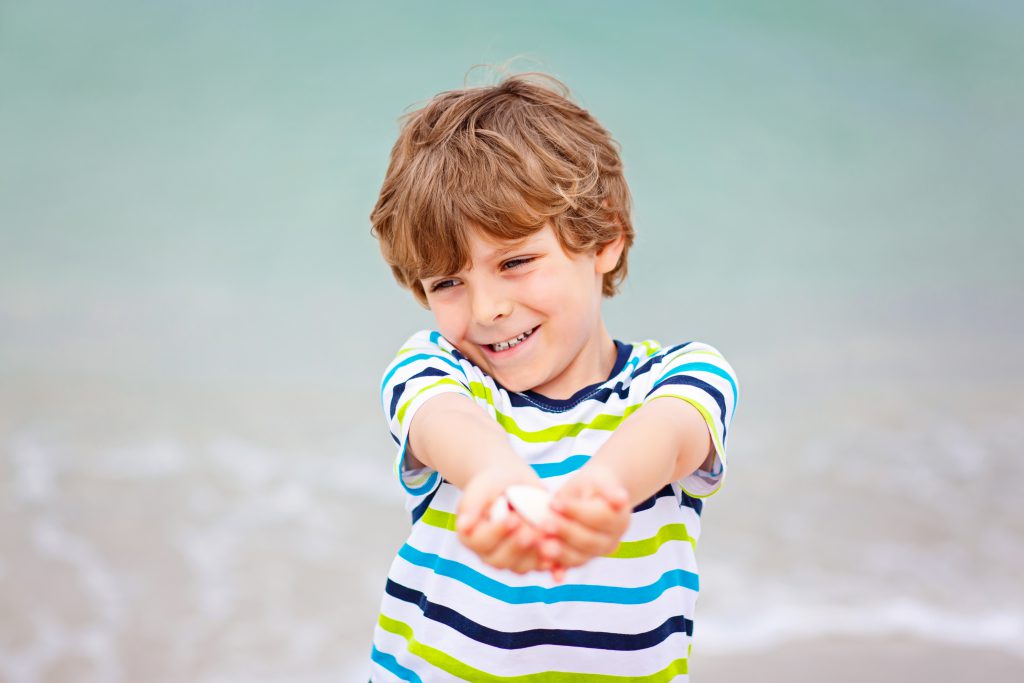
(499, 509)
(530, 502)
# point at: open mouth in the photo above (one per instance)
(511, 343)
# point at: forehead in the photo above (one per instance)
(442, 253)
(484, 247)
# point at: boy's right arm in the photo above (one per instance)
(452, 435)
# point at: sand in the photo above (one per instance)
(847, 660)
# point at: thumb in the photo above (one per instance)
(469, 513)
(614, 493)
(571, 492)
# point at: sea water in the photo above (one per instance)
(194, 470)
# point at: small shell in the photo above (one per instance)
(530, 502)
(499, 509)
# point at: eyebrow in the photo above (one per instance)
(494, 255)
(508, 249)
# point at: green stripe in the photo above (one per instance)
(626, 550)
(481, 391)
(651, 347)
(454, 667)
(557, 432)
(649, 546)
(439, 518)
(554, 433)
(445, 380)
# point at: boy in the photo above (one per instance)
(505, 211)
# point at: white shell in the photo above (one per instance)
(499, 509)
(530, 502)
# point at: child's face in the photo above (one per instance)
(534, 288)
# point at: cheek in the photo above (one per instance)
(450, 320)
(565, 293)
(551, 292)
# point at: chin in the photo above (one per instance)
(516, 386)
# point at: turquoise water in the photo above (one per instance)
(829, 192)
(204, 160)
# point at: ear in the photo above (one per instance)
(608, 255)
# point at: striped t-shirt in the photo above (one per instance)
(448, 616)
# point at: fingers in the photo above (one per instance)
(485, 536)
(473, 509)
(595, 512)
(560, 554)
(593, 541)
(509, 544)
(604, 487)
(518, 551)
(613, 493)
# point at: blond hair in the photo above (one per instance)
(507, 159)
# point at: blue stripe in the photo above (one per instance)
(391, 664)
(410, 359)
(419, 490)
(521, 595)
(427, 486)
(705, 367)
(661, 357)
(418, 511)
(556, 469)
(515, 640)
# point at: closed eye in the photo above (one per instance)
(516, 262)
(443, 284)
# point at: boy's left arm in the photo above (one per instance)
(661, 442)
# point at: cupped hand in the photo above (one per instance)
(510, 543)
(592, 513)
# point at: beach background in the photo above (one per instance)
(195, 476)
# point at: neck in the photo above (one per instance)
(593, 365)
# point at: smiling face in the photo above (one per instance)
(528, 313)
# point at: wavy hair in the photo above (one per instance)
(506, 159)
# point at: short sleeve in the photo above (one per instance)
(425, 366)
(698, 374)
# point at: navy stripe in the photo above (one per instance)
(621, 389)
(525, 401)
(666, 492)
(515, 640)
(396, 393)
(657, 360)
(558, 405)
(690, 502)
(702, 385)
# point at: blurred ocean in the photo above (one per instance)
(194, 473)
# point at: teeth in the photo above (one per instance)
(505, 345)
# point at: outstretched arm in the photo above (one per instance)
(454, 436)
(661, 442)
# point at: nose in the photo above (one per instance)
(490, 303)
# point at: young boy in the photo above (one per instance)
(506, 213)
